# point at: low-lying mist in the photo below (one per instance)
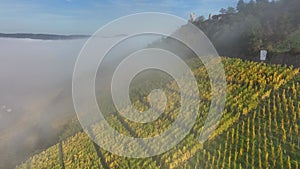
(35, 100)
(36, 91)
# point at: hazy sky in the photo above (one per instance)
(86, 16)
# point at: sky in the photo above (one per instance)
(87, 16)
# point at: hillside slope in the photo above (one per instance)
(259, 127)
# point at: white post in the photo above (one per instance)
(263, 55)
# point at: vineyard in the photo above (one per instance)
(259, 126)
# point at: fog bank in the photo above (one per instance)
(35, 77)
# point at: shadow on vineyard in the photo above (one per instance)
(258, 129)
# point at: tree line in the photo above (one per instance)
(255, 25)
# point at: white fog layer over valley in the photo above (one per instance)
(36, 80)
(36, 90)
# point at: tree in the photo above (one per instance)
(200, 19)
(222, 11)
(253, 40)
(262, 1)
(241, 5)
(251, 3)
(230, 10)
